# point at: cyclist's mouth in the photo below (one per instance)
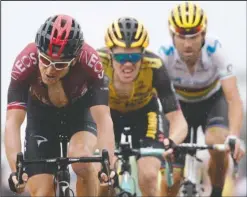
(50, 77)
(188, 53)
(128, 72)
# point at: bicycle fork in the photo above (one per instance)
(62, 175)
(193, 171)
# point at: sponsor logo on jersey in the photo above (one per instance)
(229, 68)
(212, 49)
(26, 61)
(168, 51)
(40, 139)
(92, 60)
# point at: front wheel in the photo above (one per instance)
(125, 194)
(189, 190)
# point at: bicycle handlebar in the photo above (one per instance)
(104, 159)
(184, 148)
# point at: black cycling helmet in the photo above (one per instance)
(60, 37)
(126, 32)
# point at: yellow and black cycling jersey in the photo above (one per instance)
(152, 80)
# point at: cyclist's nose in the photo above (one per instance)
(187, 43)
(51, 69)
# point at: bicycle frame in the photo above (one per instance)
(126, 151)
(192, 179)
(62, 176)
(125, 185)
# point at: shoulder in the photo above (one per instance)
(214, 51)
(25, 63)
(151, 60)
(104, 54)
(90, 61)
(167, 52)
(212, 46)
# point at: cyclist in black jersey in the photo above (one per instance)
(59, 82)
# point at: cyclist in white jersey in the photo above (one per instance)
(205, 85)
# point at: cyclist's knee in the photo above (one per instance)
(45, 189)
(177, 175)
(80, 150)
(148, 170)
(215, 135)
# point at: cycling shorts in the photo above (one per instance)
(45, 124)
(212, 112)
(147, 124)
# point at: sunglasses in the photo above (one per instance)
(57, 65)
(187, 32)
(122, 58)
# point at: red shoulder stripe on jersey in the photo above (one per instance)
(16, 105)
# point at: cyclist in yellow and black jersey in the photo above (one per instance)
(152, 78)
(140, 93)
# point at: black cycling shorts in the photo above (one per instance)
(45, 124)
(147, 124)
(212, 112)
(208, 113)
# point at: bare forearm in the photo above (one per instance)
(12, 144)
(178, 133)
(235, 116)
(178, 128)
(106, 139)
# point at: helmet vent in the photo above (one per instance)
(128, 25)
(187, 6)
(63, 22)
(44, 26)
(63, 36)
(194, 17)
(71, 35)
(55, 33)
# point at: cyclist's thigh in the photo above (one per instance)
(41, 185)
(83, 130)
(195, 115)
(217, 119)
(130, 119)
(155, 126)
(41, 140)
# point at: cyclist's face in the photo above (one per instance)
(188, 47)
(126, 63)
(52, 73)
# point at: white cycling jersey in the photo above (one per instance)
(212, 66)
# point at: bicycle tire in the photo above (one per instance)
(189, 190)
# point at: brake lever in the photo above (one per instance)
(19, 168)
(106, 165)
(232, 143)
(169, 177)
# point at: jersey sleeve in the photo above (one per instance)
(22, 70)
(165, 90)
(220, 60)
(17, 95)
(99, 92)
